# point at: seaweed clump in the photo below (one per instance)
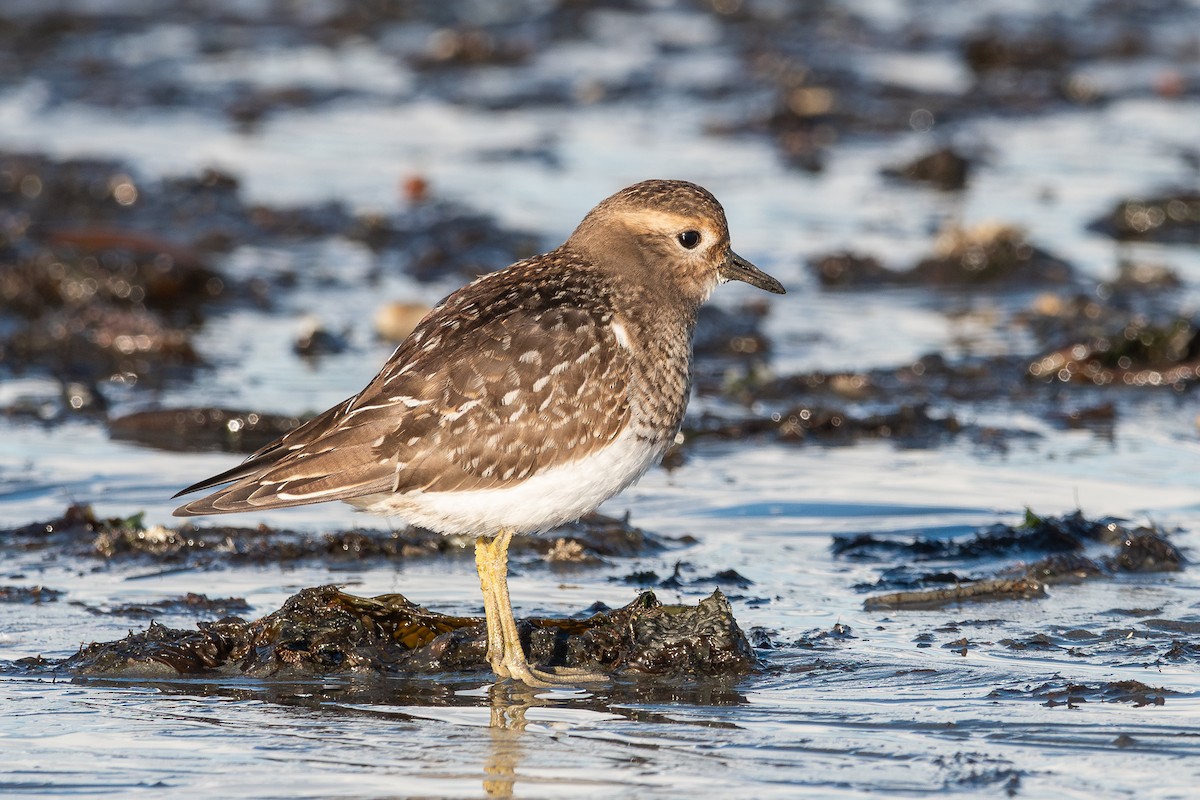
(323, 631)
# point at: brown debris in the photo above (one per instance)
(846, 270)
(439, 239)
(395, 321)
(1140, 354)
(1146, 551)
(976, 591)
(987, 255)
(96, 341)
(1063, 568)
(1072, 695)
(944, 169)
(731, 333)
(931, 378)
(1168, 218)
(466, 47)
(101, 292)
(1063, 538)
(1100, 417)
(80, 532)
(1070, 533)
(87, 266)
(994, 50)
(316, 340)
(29, 594)
(199, 429)
(569, 551)
(1136, 276)
(906, 423)
(190, 603)
(910, 425)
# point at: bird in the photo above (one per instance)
(523, 400)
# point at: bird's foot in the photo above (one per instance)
(581, 674)
(518, 669)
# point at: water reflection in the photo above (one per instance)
(509, 704)
(442, 697)
(502, 739)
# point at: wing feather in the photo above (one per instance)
(512, 374)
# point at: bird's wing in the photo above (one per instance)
(479, 397)
(273, 452)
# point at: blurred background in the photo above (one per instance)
(244, 204)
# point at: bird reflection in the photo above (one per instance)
(509, 701)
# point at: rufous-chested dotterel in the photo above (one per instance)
(524, 400)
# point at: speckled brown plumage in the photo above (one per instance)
(535, 366)
(515, 372)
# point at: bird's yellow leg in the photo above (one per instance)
(514, 664)
(484, 561)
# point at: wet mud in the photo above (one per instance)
(101, 299)
(1072, 549)
(1072, 695)
(1139, 354)
(99, 293)
(1168, 218)
(913, 426)
(934, 399)
(989, 255)
(103, 296)
(29, 594)
(190, 603)
(197, 429)
(944, 168)
(821, 98)
(1052, 555)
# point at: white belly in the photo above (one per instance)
(557, 495)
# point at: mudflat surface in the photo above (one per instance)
(946, 486)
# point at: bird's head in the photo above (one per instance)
(669, 235)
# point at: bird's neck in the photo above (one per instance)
(661, 337)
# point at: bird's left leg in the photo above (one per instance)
(515, 663)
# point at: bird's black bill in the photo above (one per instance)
(737, 268)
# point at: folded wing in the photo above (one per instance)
(491, 387)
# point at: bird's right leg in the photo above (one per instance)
(485, 564)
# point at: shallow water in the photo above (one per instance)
(897, 707)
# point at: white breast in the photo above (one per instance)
(548, 498)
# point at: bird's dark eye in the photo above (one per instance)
(689, 239)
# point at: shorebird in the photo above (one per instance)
(524, 400)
